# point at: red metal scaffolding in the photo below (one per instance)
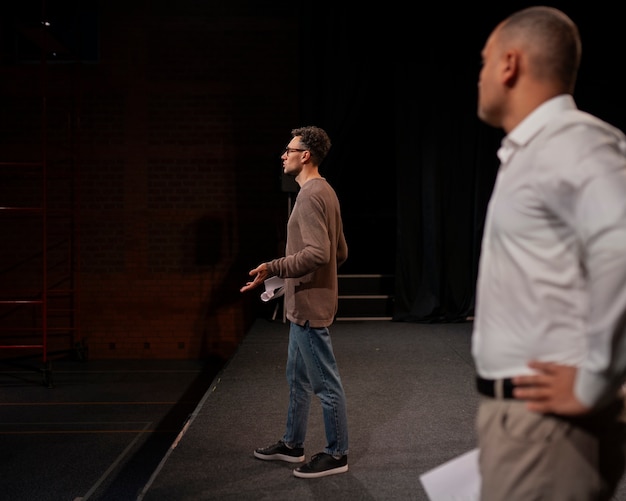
(38, 253)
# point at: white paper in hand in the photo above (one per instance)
(274, 287)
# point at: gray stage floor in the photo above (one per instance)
(411, 403)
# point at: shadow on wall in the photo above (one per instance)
(225, 314)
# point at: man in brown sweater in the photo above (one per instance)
(316, 247)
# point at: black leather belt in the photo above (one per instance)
(495, 388)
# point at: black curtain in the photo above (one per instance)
(412, 164)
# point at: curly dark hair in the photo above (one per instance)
(315, 140)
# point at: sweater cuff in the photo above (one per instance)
(272, 269)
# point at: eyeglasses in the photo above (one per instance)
(288, 150)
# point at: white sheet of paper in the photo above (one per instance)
(455, 480)
(274, 287)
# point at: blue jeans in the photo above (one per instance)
(312, 369)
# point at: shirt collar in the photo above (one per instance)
(532, 124)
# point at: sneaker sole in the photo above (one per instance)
(279, 457)
(318, 474)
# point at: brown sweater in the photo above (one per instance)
(316, 247)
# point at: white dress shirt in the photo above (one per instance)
(552, 274)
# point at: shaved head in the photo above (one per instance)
(551, 40)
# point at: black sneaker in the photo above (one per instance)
(280, 452)
(322, 464)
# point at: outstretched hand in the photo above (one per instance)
(260, 274)
(550, 390)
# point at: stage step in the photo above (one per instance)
(365, 297)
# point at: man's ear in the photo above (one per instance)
(511, 67)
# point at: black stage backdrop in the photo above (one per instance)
(412, 164)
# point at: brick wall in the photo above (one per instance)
(170, 142)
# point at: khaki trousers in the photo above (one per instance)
(526, 456)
